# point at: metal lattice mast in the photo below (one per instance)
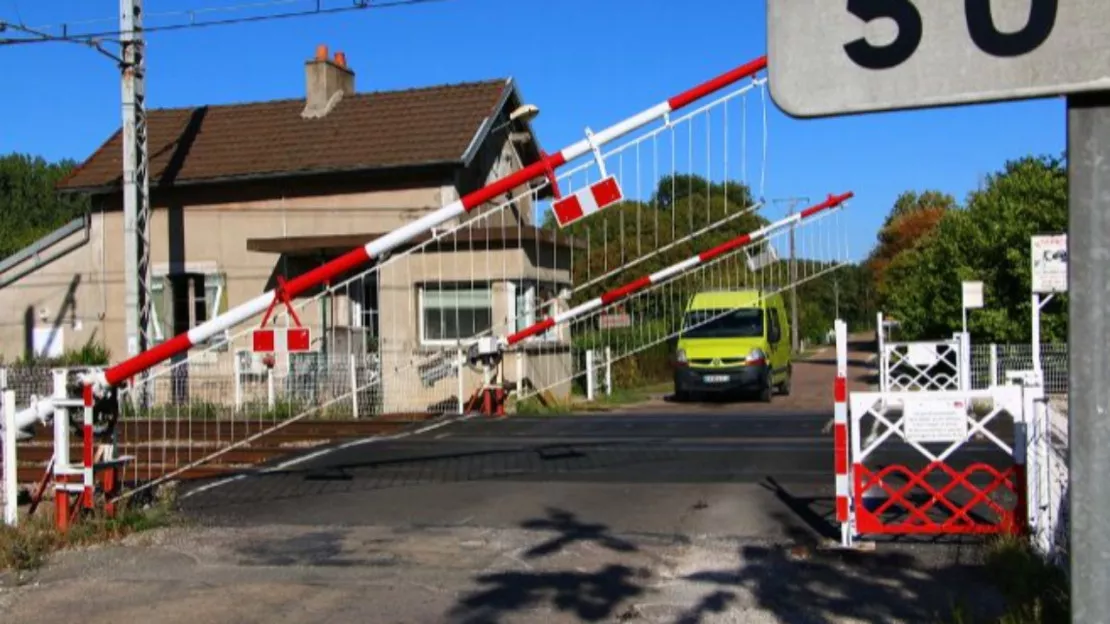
(136, 186)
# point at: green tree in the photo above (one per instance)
(30, 207)
(988, 241)
(911, 220)
(679, 206)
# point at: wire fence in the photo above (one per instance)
(992, 363)
(390, 339)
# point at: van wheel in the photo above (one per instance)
(768, 390)
(784, 387)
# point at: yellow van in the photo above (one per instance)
(733, 341)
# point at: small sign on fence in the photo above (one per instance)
(1050, 263)
(616, 320)
(935, 420)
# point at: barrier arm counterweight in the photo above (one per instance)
(105, 380)
(663, 275)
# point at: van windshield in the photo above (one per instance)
(723, 323)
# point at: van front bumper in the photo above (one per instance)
(704, 380)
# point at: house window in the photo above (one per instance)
(182, 301)
(526, 308)
(523, 303)
(452, 313)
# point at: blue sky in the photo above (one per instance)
(584, 62)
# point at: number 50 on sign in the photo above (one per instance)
(832, 57)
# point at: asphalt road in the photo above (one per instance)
(748, 473)
(664, 513)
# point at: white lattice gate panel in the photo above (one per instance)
(937, 462)
(920, 366)
(695, 177)
(638, 322)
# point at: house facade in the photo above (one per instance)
(243, 194)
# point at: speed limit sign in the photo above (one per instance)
(833, 57)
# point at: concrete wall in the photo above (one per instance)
(81, 295)
(403, 350)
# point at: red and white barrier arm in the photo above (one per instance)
(675, 269)
(357, 257)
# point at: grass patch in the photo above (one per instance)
(27, 546)
(533, 406)
(1036, 591)
(629, 396)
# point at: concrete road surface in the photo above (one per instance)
(687, 514)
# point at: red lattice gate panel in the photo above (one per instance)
(938, 463)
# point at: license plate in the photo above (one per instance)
(716, 378)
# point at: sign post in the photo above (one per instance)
(1089, 334)
(858, 56)
(1049, 257)
(972, 300)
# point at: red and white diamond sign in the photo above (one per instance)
(587, 201)
(292, 340)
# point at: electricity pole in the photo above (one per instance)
(794, 341)
(136, 185)
(136, 188)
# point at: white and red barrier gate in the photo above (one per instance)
(936, 463)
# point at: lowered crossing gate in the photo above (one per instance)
(929, 462)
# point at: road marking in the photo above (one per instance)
(322, 452)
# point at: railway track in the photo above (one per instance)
(166, 445)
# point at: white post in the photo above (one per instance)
(460, 367)
(11, 477)
(520, 372)
(61, 423)
(591, 379)
(3, 378)
(882, 352)
(608, 371)
(354, 386)
(965, 361)
(270, 391)
(994, 365)
(238, 384)
(1036, 336)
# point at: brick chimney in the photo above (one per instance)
(326, 82)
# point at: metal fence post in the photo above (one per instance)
(11, 476)
(354, 386)
(994, 365)
(270, 390)
(591, 378)
(608, 371)
(460, 368)
(238, 383)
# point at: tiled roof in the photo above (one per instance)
(364, 131)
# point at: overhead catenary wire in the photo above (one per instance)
(41, 34)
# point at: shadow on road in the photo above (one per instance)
(590, 596)
(571, 531)
(806, 509)
(824, 587)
